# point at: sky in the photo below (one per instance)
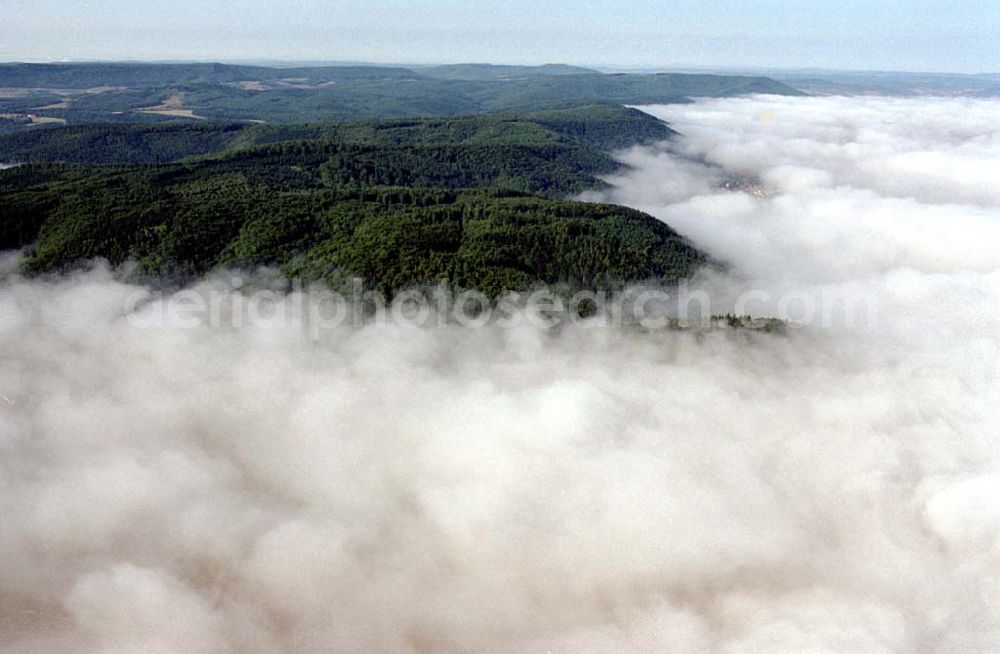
(914, 35)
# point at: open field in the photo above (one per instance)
(172, 106)
(35, 120)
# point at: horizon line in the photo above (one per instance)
(273, 62)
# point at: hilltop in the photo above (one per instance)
(478, 201)
(600, 128)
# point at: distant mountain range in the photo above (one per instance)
(86, 93)
(819, 81)
(892, 83)
(495, 72)
(140, 75)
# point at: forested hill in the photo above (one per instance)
(477, 201)
(599, 128)
(181, 220)
(96, 93)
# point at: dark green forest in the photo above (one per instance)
(597, 127)
(478, 201)
(180, 221)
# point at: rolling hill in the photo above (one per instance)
(102, 93)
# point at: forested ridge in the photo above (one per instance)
(182, 220)
(597, 127)
(477, 201)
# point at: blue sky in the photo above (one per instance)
(924, 35)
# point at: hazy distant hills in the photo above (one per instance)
(892, 83)
(129, 92)
(90, 75)
(494, 72)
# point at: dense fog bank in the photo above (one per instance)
(389, 489)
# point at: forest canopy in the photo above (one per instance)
(478, 201)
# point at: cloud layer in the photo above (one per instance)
(586, 490)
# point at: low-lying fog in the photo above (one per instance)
(597, 490)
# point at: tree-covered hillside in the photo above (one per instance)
(184, 219)
(479, 200)
(598, 127)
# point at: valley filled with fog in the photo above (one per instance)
(581, 489)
